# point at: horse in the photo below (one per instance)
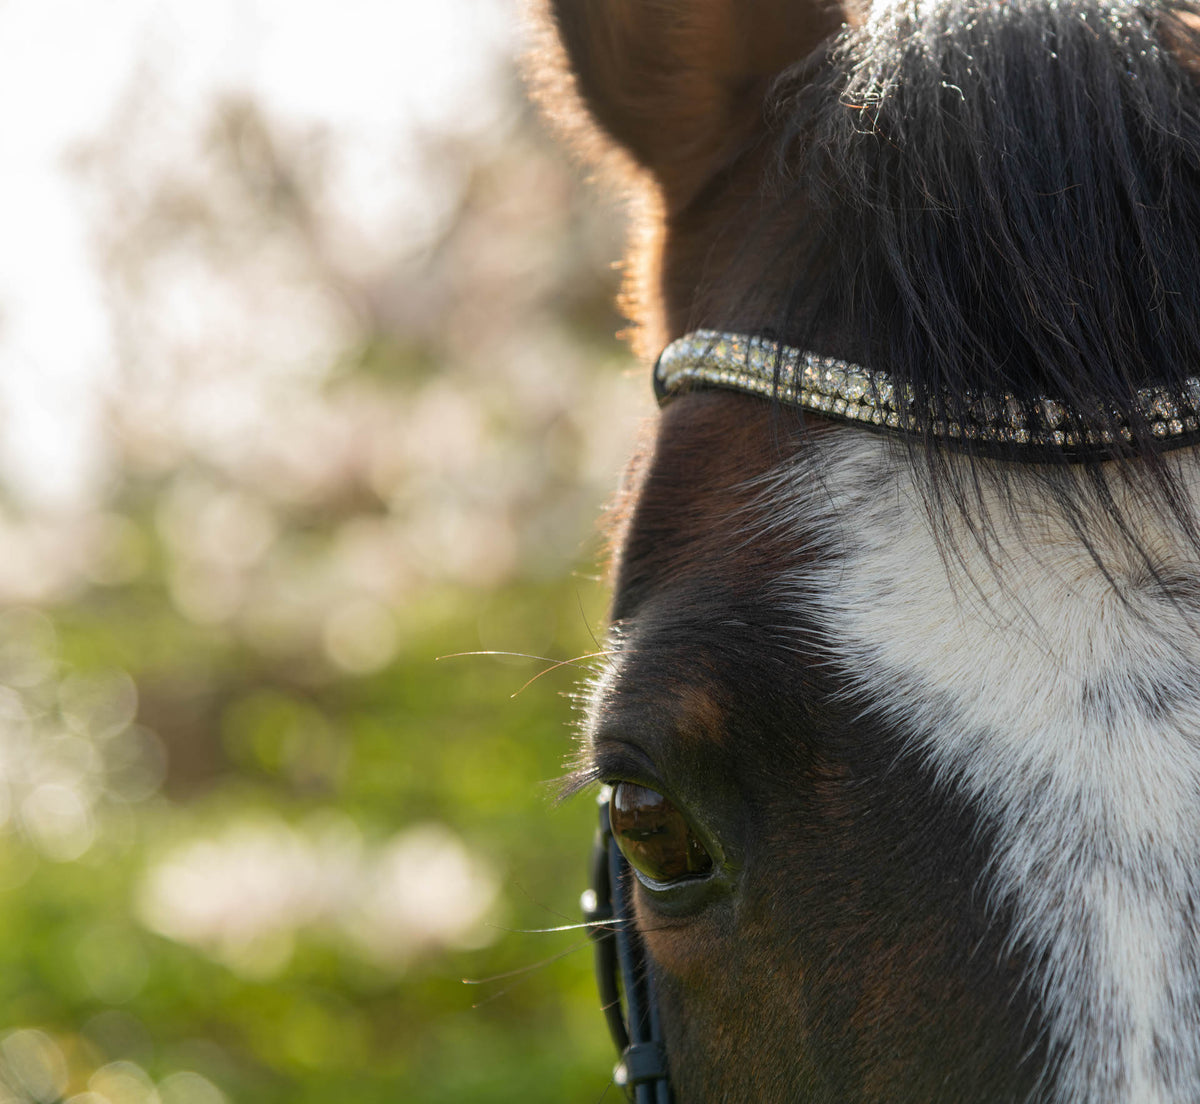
(899, 722)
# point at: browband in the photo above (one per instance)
(839, 389)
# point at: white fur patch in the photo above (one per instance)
(1070, 718)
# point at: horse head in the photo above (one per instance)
(902, 722)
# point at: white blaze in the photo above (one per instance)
(1069, 717)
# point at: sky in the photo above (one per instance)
(376, 73)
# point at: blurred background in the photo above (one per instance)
(308, 378)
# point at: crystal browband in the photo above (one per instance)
(838, 389)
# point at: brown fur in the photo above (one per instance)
(681, 86)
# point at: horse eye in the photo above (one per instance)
(654, 836)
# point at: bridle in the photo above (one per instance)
(624, 974)
(871, 398)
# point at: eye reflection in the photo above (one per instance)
(654, 836)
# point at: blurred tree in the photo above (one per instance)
(254, 831)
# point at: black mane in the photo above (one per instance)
(1000, 197)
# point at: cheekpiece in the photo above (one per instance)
(841, 390)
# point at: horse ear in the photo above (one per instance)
(679, 84)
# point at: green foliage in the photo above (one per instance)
(459, 741)
(263, 815)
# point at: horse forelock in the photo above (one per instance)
(994, 198)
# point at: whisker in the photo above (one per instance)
(565, 927)
(520, 970)
(577, 662)
(516, 655)
(565, 663)
(584, 619)
(521, 973)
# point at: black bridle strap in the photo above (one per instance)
(622, 968)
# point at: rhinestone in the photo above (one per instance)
(1053, 413)
(856, 387)
(986, 410)
(835, 379)
(1165, 407)
(1156, 403)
